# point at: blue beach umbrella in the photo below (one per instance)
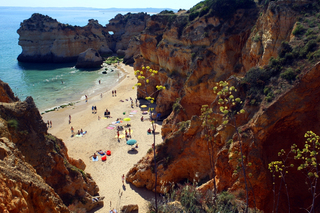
(131, 142)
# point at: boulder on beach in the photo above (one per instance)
(89, 59)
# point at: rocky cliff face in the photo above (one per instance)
(44, 39)
(37, 175)
(127, 29)
(191, 57)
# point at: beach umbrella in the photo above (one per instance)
(131, 142)
(127, 119)
(144, 106)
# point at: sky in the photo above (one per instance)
(185, 4)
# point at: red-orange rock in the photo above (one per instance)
(35, 173)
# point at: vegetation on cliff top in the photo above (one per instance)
(294, 58)
(219, 8)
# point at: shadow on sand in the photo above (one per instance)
(143, 192)
(96, 209)
(133, 151)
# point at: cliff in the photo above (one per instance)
(37, 175)
(268, 51)
(192, 54)
(44, 39)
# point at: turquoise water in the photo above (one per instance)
(50, 85)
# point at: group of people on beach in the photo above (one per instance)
(107, 114)
(114, 93)
(94, 109)
(49, 124)
(80, 132)
(127, 133)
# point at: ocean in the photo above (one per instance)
(50, 85)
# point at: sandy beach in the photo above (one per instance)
(108, 174)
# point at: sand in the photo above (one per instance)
(108, 174)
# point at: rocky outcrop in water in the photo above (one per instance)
(37, 175)
(89, 59)
(44, 39)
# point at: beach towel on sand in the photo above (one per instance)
(110, 127)
(120, 136)
(95, 159)
(102, 154)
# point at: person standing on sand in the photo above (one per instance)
(123, 179)
(50, 124)
(112, 93)
(86, 98)
(69, 119)
(72, 130)
(118, 134)
(115, 92)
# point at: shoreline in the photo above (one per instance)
(108, 174)
(96, 93)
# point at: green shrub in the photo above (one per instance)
(113, 60)
(193, 201)
(204, 11)
(311, 36)
(257, 77)
(197, 6)
(177, 106)
(253, 101)
(270, 96)
(309, 31)
(226, 203)
(289, 74)
(166, 12)
(229, 142)
(256, 38)
(13, 123)
(309, 47)
(284, 48)
(311, 23)
(299, 30)
(314, 56)
(193, 15)
(51, 137)
(266, 90)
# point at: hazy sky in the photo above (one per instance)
(185, 4)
